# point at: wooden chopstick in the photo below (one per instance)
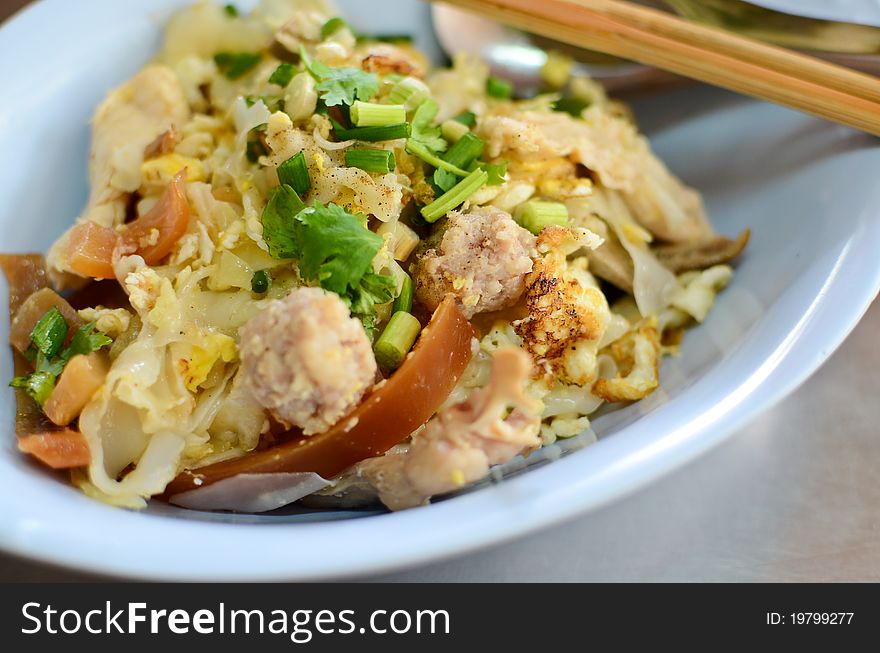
(706, 54)
(744, 49)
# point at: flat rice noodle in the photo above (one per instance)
(26, 274)
(388, 416)
(683, 257)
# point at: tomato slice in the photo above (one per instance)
(389, 415)
(166, 222)
(90, 250)
(59, 450)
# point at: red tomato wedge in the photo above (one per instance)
(170, 218)
(59, 449)
(152, 236)
(388, 416)
(90, 250)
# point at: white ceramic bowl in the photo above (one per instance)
(807, 189)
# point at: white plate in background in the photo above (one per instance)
(807, 189)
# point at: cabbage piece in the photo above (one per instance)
(204, 29)
(653, 285)
(145, 415)
(252, 492)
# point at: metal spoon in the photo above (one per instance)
(519, 57)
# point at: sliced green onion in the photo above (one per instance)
(499, 88)
(231, 10)
(234, 65)
(410, 92)
(295, 173)
(461, 155)
(260, 282)
(38, 385)
(332, 26)
(396, 341)
(419, 150)
(368, 114)
(535, 215)
(49, 332)
(468, 149)
(283, 74)
(468, 118)
(453, 130)
(371, 160)
(374, 134)
(456, 196)
(404, 301)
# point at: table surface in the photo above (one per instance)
(795, 496)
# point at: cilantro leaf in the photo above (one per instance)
(422, 132)
(278, 222)
(444, 179)
(496, 171)
(85, 341)
(373, 290)
(236, 64)
(340, 85)
(335, 247)
(38, 385)
(283, 75)
(49, 364)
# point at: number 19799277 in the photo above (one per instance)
(810, 618)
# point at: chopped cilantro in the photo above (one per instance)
(497, 172)
(234, 65)
(38, 385)
(334, 249)
(444, 180)
(341, 85)
(278, 222)
(423, 132)
(49, 363)
(85, 341)
(373, 290)
(571, 105)
(283, 74)
(335, 246)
